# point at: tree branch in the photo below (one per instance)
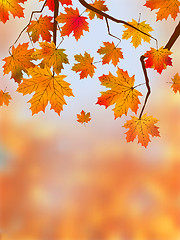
(147, 84)
(173, 37)
(168, 46)
(107, 16)
(56, 10)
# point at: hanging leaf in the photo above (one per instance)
(4, 98)
(73, 22)
(142, 128)
(137, 37)
(111, 53)
(52, 57)
(98, 4)
(166, 8)
(47, 88)
(158, 59)
(85, 65)
(83, 117)
(19, 61)
(11, 6)
(122, 93)
(176, 83)
(41, 27)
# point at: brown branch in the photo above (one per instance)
(168, 46)
(107, 16)
(56, 10)
(147, 84)
(173, 37)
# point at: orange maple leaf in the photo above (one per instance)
(99, 4)
(85, 65)
(123, 93)
(73, 22)
(158, 59)
(142, 128)
(41, 27)
(166, 8)
(19, 61)
(83, 117)
(137, 37)
(110, 53)
(51, 55)
(4, 98)
(50, 3)
(13, 7)
(176, 83)
(47, 87)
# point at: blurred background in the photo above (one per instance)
(63, 181)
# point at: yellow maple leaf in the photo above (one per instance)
(19, 61)
(47, 88)
(123, 93)
(99, 4)
(52, 56)
(137, 36)
(85, 65)
(110, 52)
(41, 27)
(4, 98)
(166, 8)
(142, 128)
(83, 117)
(176, 83)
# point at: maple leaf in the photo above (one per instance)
(176, 83)
(85, 65)
(99, 4)
(142, 128)
(158, 59)
(41, 27)
(4, 98)
(73, 22)
(123, 93)
(51, 56)
(19, 61)
(47, 88)
(110, 53)
(50, 3)
(137, 37)
(83, 117)
(166, 8)
(13, 7)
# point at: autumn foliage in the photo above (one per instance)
(44, 62)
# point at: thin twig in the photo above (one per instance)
(33, 12)
(109, 30)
